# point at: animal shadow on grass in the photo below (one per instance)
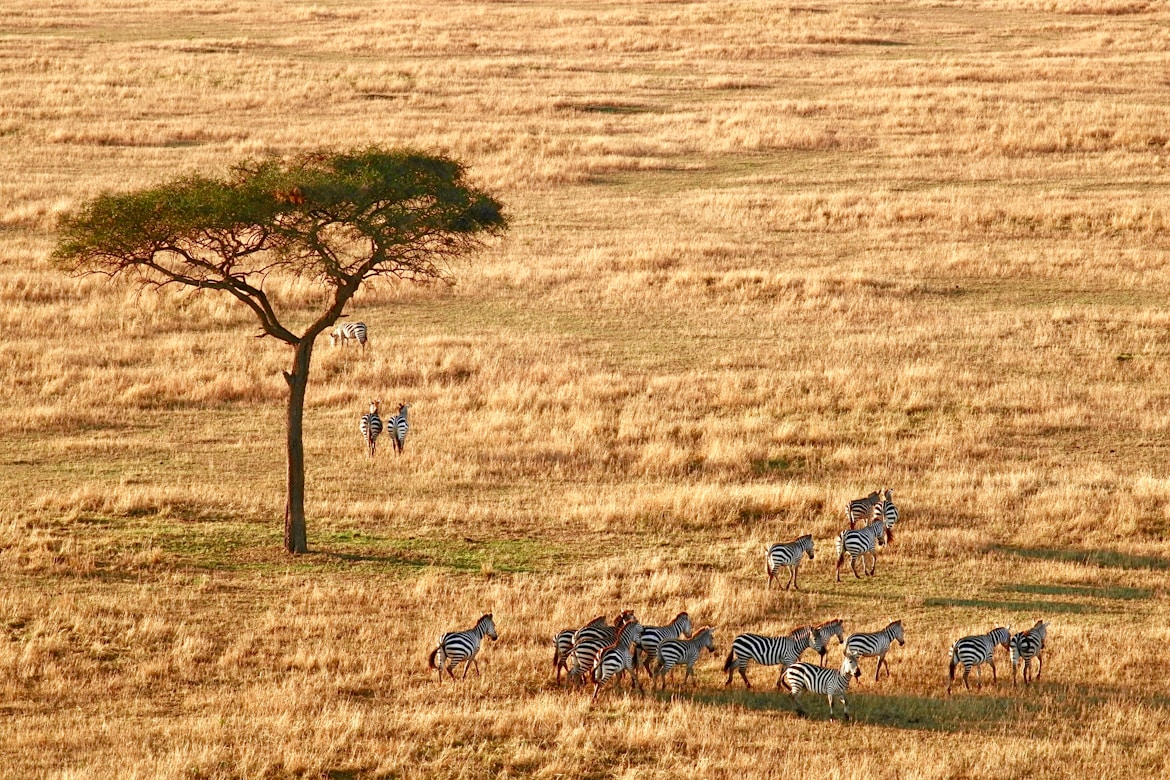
(1109, 559)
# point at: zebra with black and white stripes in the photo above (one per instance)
(673, 652)
(876, 644)
(461, 647)
(801, 677)
(397, 426)
(860, 508)
(590, 640)
(819, 640)
(973, 651)
(563, 644)
(1025, 646)
(861, 543)
(371, 428)
(779, 651)
(788, 555)
(349, 331)
(653, 636)
(886, 509)
(617, 659)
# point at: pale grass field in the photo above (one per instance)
(763, 259)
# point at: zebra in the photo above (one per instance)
(653, 636)
(788, 555)
(779, 651)
(819, 640)
(801, 677)
(563, 644)
(1025, 646)
(349, 331)
(371, 427)
(860, 508)
(617, 659)
(462, 646)
(876, 644)
(673, 652)
(398, 427)
(974, 651)
(860, 543)
(590, 640)
(888, 512)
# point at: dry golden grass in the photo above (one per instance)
(764, 259)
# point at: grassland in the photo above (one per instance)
(763, 259)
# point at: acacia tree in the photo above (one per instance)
(336, 219)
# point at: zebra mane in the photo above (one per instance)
(833, 622)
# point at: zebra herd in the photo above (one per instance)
(603, 652)
(371, 424)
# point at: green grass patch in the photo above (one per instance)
(1017, 606)
(1110, 559)
(1083, 591)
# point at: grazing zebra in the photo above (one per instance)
(860, 543)
(779, 651)
(617, 659)
(1025, 646)
(349, 331)
(876, 644)
(653, 636)
(802, 677)
(789, 555)
(371, 427)
(673, 652)
(974, 651)
(398, 427)
(819, 640)
(860, 508)
(461, 646)
(563, 644)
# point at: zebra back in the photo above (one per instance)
(399, 426)
(971, 651)
(675, 651)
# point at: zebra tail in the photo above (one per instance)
(431, 660)
(730, 662)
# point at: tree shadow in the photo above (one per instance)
(1110, 559)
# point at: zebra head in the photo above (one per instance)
(626, 616)
(1001, 636)
(374, 406)
(806, 544)
(895, 630)
(682, 622)
(335, 335)
(830, 628)
(850, 667)
(402, 410)
(486, 626)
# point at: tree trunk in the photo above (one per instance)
(295, 537)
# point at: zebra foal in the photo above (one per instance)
(461, 647)
(876, 644)
(788, 555)
(973, 651)
(673, 652)
(802, 677)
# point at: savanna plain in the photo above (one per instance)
(763, 258)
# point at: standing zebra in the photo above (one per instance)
(876, 644)
(779, 651)
(461, 646)
(788, 555)
(563, 644)
(673, 652)
(349, 331)
(1025, 646)
(860, 508)
(886, 509)
(861, 543)
(653, 636)
(371, 427)
(617, 659)
(590, 640)
(398, 427)
(819, 640)
(802, 677)
(974, 651)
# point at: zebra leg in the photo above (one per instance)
(993, 680)
(951, 677)
(781, 682)
(795, 571)
(596, 689)
(844, 707)
(840, 560)
(791, 579)
(853, 565)
(743, 674)
(1039, 663)
(450, 667)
